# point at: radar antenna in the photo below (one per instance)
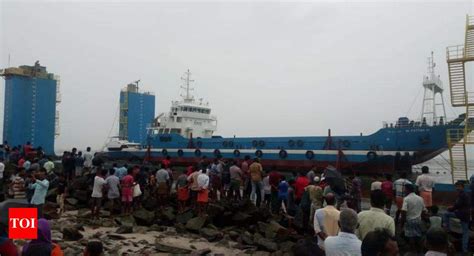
(187, 80)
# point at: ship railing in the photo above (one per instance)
(416, 123)
(455, 52)
(459, 136)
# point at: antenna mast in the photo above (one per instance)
(433, 86)
(187, 80)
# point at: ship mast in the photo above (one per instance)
(433, 86)
(187, 80)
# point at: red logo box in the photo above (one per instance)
(23, 223)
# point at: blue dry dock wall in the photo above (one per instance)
(27, 118)
(141, 112)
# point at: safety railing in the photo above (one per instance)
(469, 20)
(455, 52)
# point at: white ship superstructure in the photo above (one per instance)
(188, 117)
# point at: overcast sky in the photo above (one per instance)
(267, 69)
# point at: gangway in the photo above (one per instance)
(457, 139)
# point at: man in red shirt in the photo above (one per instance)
(274, 179)
(300, 184)
(166, 162)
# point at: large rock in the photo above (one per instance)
(210, 234)
(195, 224)
(144, 217)
(82, 195)
(241, 217)
(247, 238)
(124, 230)
(150, 203)
(265, 244)
(214, 210)
(273, 230)
(71, 200)
(71, 234)
(166, 215)
(126, 220)
(161, 247)
(184, 217)
(80, 183)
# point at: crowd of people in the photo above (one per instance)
(317, 203)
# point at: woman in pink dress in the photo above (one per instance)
(127, 191)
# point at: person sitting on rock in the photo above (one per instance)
(42, 245)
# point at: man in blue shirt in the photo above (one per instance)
(40, 186)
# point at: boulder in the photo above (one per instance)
(161, 247)
(124, 230)
(240, 217)
(184, 217)
(166, 215)
(144, 217)
(195, 224)
(273, 229)
(80, 183)
(210, 234)
(71, 200)
(266, 244)
(116, 237)
(247, 238)
(126, 220)
(82, 195)
(287, 246)
(71, 234)
(205, 251)
(150, 203)
(214, 210)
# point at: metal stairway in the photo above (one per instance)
(457, 139)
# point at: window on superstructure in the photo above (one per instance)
(185, 109)
(178, 131)
(167, 131)
(179, 119)
(160, 131)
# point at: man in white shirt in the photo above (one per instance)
(97, 192)
(425, 185)
(376, 183)
(203, 193)
(399, 189)
(88, 159)
(326, 220)
(346, 242)
(413, 207)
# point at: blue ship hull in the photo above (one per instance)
(387, 150)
